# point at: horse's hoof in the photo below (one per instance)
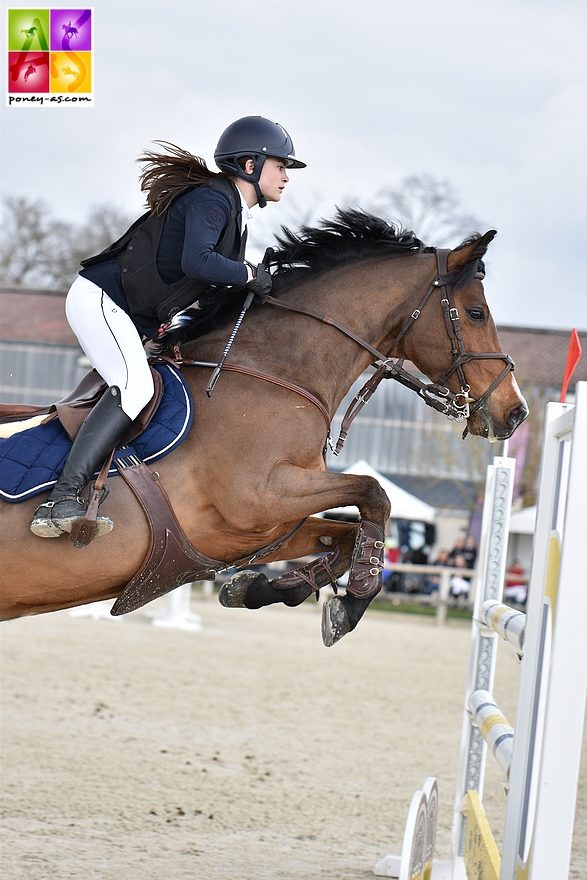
(233, 593)
(335, 621)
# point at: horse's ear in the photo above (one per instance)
(472, 250)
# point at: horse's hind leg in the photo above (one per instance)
(250, 589)
(340, 614)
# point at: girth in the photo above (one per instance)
(171, 559)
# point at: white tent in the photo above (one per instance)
(403, 505)
(522, 522)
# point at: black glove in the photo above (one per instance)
(261, 283)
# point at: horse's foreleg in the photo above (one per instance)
(295, 493)
(317, 535)
(342, 613)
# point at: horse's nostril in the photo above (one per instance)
(517, 416)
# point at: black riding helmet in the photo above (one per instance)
(257, 138)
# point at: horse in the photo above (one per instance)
(70, 31)
(352, 292)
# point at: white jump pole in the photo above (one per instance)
(494, 728)
(506, 622)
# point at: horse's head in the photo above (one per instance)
(435, 314)
(454, 342)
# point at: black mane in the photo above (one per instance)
(351, 235)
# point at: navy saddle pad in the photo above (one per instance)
(31, 461)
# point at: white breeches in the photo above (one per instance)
(111, 342)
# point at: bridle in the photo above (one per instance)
(457, 405)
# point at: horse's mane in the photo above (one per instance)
(350, 235)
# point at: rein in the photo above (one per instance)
(435, 394)
(458, 406)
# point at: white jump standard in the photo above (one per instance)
(541, 759)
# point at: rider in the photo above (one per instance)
(191, 239)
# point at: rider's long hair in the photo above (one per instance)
(166, 175)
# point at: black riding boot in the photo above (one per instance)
(98, 436)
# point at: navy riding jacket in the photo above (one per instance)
(193, 226)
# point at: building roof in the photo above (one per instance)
(540, 355)
(34, 316)
(439, 493)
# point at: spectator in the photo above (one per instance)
(457, 550)
(418, 556)
(442, 558)
(391, 579)
(433, 582)
(516, 584)
(470, 551)
(459, 586)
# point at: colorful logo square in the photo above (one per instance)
(71, 30)
(71, 72)
(50, 57)
(28, 30)
(28, 72)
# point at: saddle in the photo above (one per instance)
(73, 409)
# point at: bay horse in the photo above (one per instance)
(350, 293)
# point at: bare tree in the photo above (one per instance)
(105, 223)
(29, 238)
(429, 207)
(38, 250)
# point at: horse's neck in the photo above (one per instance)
(373, 299)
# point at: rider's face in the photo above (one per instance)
(273, 179)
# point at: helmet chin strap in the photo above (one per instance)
(259, 162)
(261, 200)
(253, 177)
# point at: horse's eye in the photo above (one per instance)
(476, 313)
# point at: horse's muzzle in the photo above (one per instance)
(483, 424)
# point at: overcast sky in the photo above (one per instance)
(491, 97)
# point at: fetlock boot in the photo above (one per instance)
(99, 434)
